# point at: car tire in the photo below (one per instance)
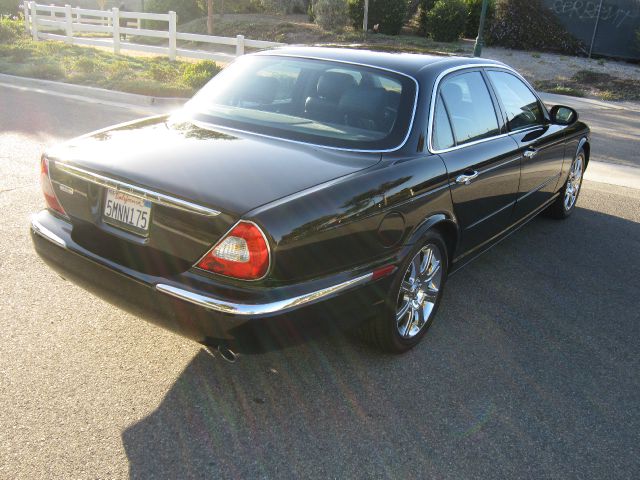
(417, 290)
(565, 204)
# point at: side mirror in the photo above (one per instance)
(562, 115)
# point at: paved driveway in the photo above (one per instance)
(531, 370)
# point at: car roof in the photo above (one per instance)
(408, 63)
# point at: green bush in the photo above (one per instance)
(186, 11)
(9, 7)
(85, 65)
(285, 6)
(47, 71)
(513, 27)
(11, 30)
(162, 72)
(330, 14)
(388, 14)
(423, 9)
(119, 70)
(474, 8)
(196, 75)
(446, 20)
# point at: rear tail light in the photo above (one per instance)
(242, 253)
(47, 187)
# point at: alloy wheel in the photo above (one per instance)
(419, 291)
(573, 182)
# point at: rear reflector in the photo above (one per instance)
(242, 253)
(47, 187)
(383, 272)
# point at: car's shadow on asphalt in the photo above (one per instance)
(530, 371)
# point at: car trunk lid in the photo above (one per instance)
(197, 180)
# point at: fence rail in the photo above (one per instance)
(41, 20)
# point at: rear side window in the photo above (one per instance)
(522, 107)
(442, 134)
(470, 108)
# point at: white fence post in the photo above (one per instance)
(52, 13)
(69, 24)
(116, 30)
(172, 35)
(239, 45)
(34, 20)
(25, 8)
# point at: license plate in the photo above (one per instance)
(127, 212)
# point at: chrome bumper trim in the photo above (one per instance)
(47, 234)
(155, 197)
(244, 309)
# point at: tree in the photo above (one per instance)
(210, 17)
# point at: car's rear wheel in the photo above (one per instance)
(413, 299)
(566, 201)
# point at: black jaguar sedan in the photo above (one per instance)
(309, 186)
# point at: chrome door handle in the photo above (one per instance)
(530, 152)
(466, 179)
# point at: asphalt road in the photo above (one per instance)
(531, 370)
(615, 127)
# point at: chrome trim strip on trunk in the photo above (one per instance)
(47, 234)
(136, 191)
(245, 309)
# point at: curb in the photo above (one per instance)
(93, 92)
(556, 98)
(613, 174)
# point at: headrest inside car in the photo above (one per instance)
(331, 85)
(363, 102)
(261, 90)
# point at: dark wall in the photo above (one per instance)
(616, 31)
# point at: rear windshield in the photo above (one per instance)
(314, 101)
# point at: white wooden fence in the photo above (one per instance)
(39, 19)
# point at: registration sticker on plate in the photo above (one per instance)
(127, 212)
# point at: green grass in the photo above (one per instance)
(156, 76)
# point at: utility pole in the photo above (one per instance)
(365, 20)
(477, 49)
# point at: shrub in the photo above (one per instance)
(11, 30)
(84, 65)
(196, 75)
(388, 14)
(47, 71)
(423, 10)
(162, 72)
(330, 14)
(9, 7)
(119, 70)
(186, 11)
(285, 6)
(446, 20)
(474, 8)
(512, 28)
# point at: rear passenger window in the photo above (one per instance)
(522, 107)
(442, 134)
(470, 107)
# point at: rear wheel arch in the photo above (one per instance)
(586, 146)
(442, 224)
